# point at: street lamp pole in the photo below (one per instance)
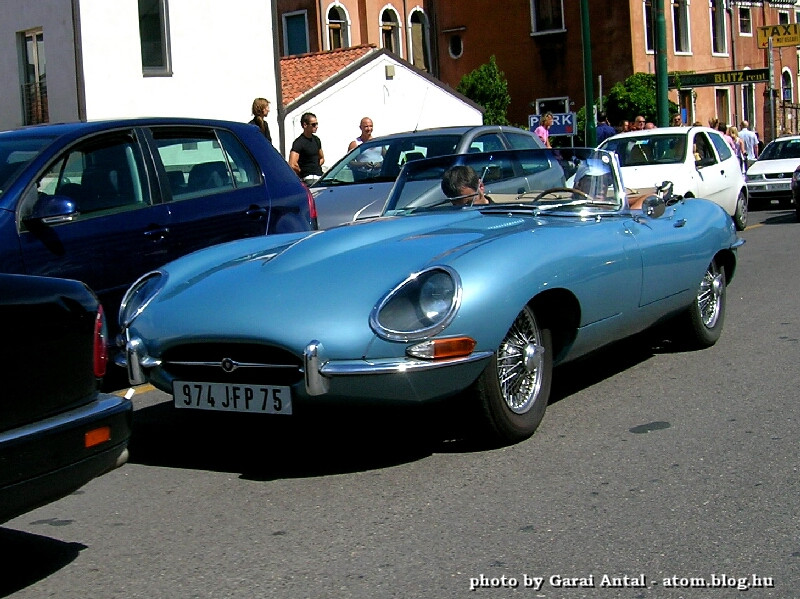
(662, 90)
(588, 87)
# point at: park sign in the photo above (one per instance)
(720, 78)
(563, 123)
(781, 35)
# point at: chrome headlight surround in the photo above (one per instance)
(139, 295)
(419, 307)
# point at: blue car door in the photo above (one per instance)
(212, 186)
(117, 233)
(667, 246)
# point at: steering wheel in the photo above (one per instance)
(556, 190)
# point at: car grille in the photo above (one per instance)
(777, 175)
(246, 363)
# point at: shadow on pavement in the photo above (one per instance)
(325, 440)
(29, 558)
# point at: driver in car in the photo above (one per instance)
(462, 185)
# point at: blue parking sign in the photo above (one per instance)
(563, 123)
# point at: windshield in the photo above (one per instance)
(381, 160)
(567, 180)
(16, 152)
(654, 149)
(781, 149)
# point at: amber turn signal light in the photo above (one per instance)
(96, 436)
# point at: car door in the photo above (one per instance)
(116, 233)
(712, 178)
(667, 246)
(212, 186)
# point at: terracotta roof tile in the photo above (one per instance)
(303, 72)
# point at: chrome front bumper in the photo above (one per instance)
(318, 371)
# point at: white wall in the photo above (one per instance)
(222, 58)
(406, 102)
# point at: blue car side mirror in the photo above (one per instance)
(53, 209)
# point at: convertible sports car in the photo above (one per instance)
(475, 302)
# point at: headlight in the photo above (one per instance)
(139, 295)
(421, 306)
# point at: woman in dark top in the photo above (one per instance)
(260, 112)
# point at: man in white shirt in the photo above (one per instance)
(750, 142)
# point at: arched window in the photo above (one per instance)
(338, 28)
(787, 87)
(390, 31)
(455, 45)
(419, 40)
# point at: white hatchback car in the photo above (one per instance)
(697, 160)
(770, 177)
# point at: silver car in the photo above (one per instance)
(357, 186)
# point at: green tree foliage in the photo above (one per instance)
(487, 86)
(636, 95)
(626, 99)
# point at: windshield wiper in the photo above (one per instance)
(578, 202)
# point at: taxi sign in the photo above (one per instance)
(563, 123)
(782, 35)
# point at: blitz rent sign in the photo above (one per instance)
(721, 78)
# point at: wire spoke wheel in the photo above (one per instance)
(520, 360)
(513, 390)
(709, 297)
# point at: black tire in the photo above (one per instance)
(514, 389)
(740, 218)
(703, 320)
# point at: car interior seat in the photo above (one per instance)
(209, 175)
(414, 156)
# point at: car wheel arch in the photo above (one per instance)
(726, 260)
(559, 311)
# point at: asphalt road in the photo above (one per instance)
(652, 467)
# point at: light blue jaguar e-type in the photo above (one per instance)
(464, 288)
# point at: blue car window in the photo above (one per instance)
(195, 162)
(244, 169)
(100, 177)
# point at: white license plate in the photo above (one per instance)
(777, 187)
(227, 397)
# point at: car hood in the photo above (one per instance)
(341, 204)
(655, 174)
(325, 284)
(785, 166)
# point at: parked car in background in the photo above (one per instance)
(796, 191)
(472, 304)
(770, 177)
(357, 185)
(56, 431)
(697, 160)
(104, 202)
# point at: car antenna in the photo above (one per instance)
(421, 108)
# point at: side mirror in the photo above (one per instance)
(653, 206)
(52, 210)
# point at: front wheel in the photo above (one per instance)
(514, 388)
(740, 217)
(704, 318)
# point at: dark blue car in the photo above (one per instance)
(57, 432)
(105, 202)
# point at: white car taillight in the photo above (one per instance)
(100, 348)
